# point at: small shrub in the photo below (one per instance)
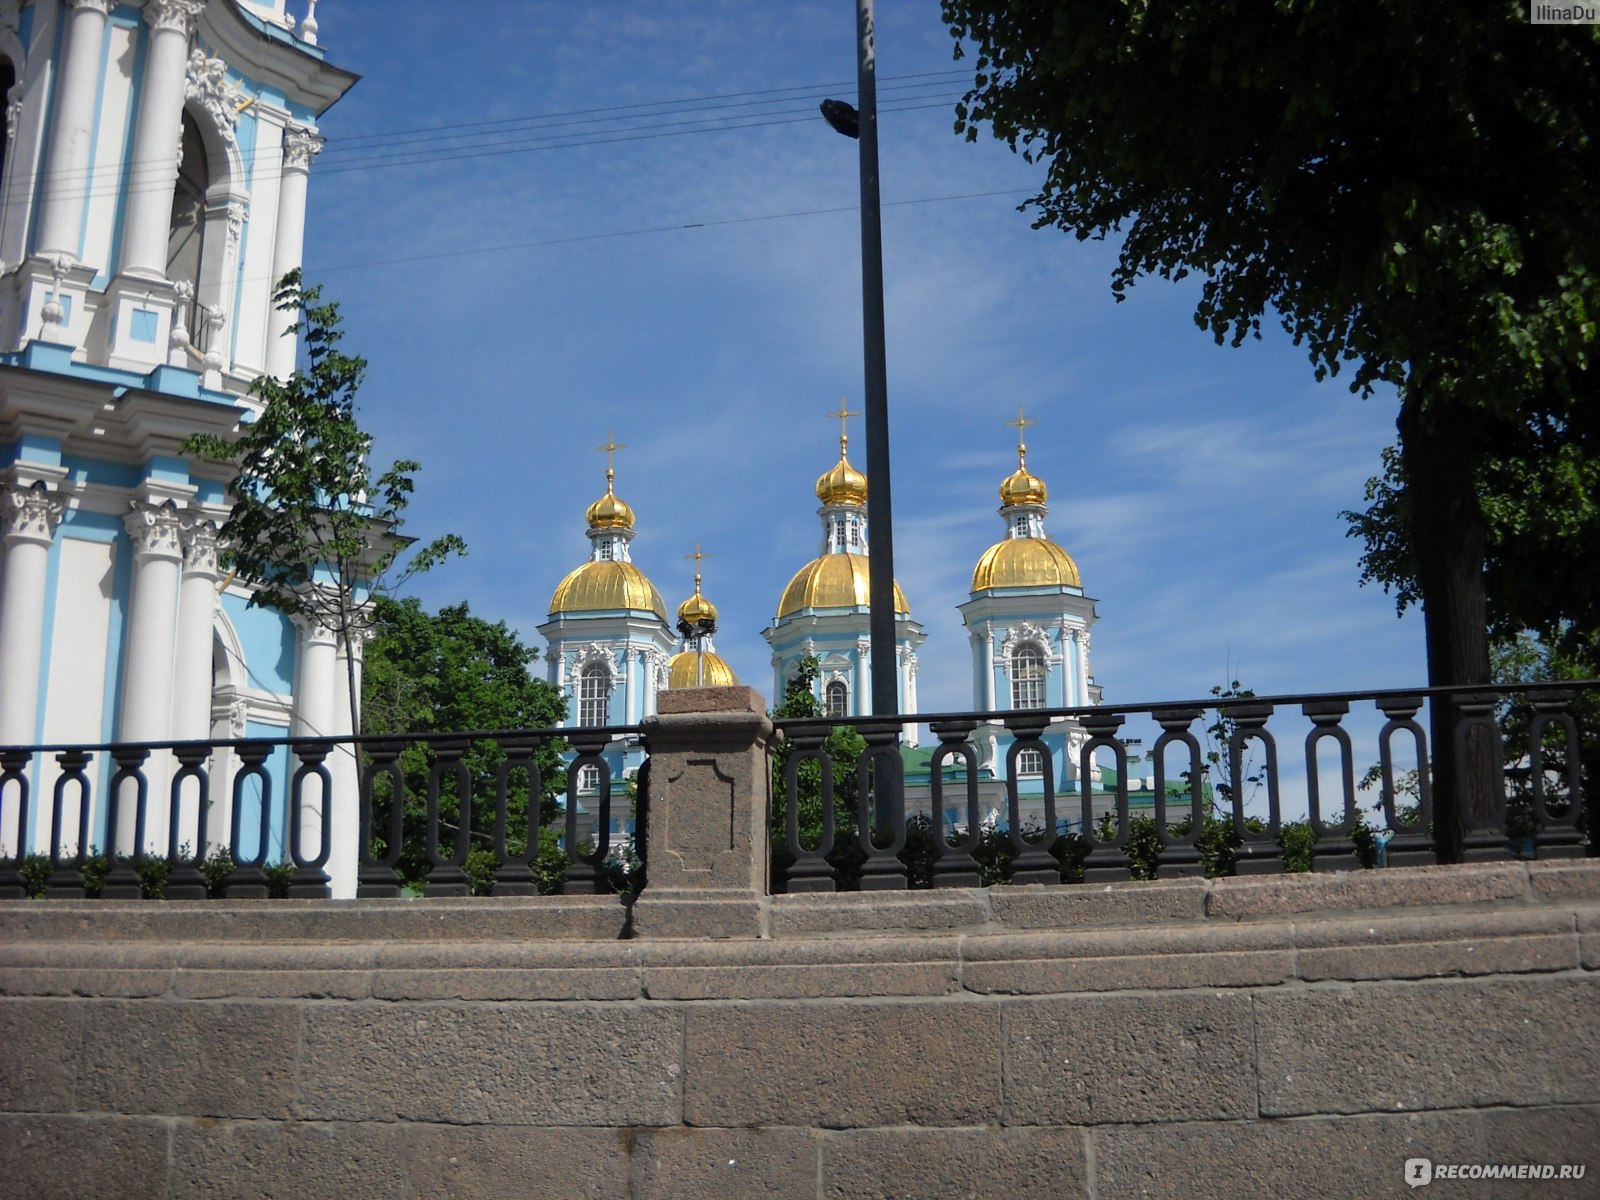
(153, 874)
(279, 876)
(96, 867)
(480, 868)
(216, 869)
(35, 871)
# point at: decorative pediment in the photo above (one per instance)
(1027, 632)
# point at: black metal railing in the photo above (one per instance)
(1217, 798)
(454, 814)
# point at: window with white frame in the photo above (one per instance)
(1027, 676)
(594, 694)
(836, 699)
(1030, 762)
(588, 778)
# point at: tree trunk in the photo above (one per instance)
(1439, 445)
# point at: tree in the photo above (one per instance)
(454, 672)
(313, 530)
(1408, 187)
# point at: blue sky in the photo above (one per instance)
(698, 293)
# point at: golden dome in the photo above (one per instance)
(609, 512)
(844, 484)
(834, 581)
(690, 669)
(606, 587)
(1023, 487)
(1025, 562)
(696, 610)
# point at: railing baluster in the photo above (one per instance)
(1334, 849)
(810, 871)
(14, 782)
(1034, 862)
(954, 865)
(1483, 838)
(309, 881)
(186, 882)
(122, 881)
(1258, 853)
(881, 804)
(586, 872)
(1108, 857)
(378, 877)
(66, 882)
(515, 876)
(1558, 835)
(249, 878)
(1411, 844)
(447, 874)
(1180, 853)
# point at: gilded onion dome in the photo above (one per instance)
(608, 582)
(843, 484)
(1026, 558)
(698, 664)
(834, 581)
(606, 587)
(610, 512)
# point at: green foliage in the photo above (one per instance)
(313, 529)
(35, 871)
(1409, 189)
(279, 876)
(96, 867)
(480, 868)
(454, 672)
(153, 871)
(217, 869)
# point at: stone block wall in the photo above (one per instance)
(1301, 1036)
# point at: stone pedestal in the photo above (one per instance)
(707, 826)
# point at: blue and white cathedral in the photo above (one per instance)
(155, 170)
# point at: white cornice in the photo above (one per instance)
(303, 76)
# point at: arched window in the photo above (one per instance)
(588, 778)
(1030, 762)
(594, 695)
(1027, 677)
(836, 699)
(186, 238)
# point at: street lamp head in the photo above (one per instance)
(842, 117)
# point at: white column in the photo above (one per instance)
(149, 658)
(158, 128)
(314, 713)
(988, 669)
(300, 146)
(67, 165)
(861, 700)
(197, 605)
(1082, 639)
(28, 520)
(345, 836)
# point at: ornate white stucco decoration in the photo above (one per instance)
(103, 7)
(154, 528)
(309, 26)
(238, 718)
(30, 512)
(200, 544)
(1017, 635)
(178, 338)
(596, 655)
(53, 312)
(863, 647)
(911, 664)
(300, 146)
(658, 665)
(206, 84)
(175, 15)
(238, 212)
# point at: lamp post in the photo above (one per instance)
(862, 124)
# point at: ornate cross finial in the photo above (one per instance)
(1020, 424)
(844, 414)
(610, 450)
(697, 556)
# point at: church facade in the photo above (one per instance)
(154, 182)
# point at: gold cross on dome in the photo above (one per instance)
(697, 556)
(844, 414)
(609, 450)
(1020, 424)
